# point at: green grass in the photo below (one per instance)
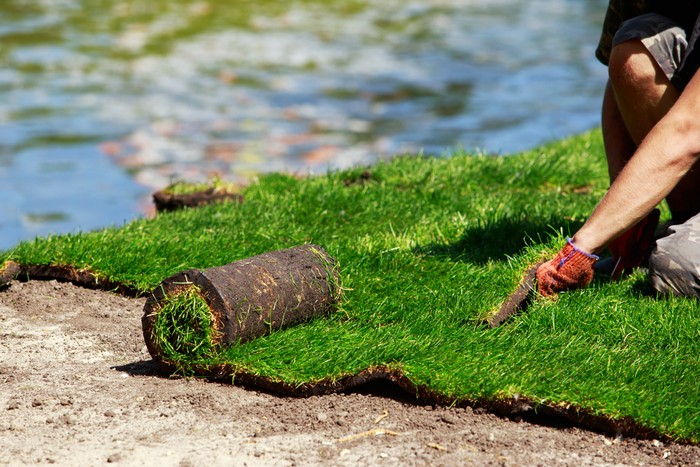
(216, 184)
(184, 328)
(427, 247)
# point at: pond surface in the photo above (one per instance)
(102, 102)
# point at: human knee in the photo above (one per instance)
(674, 265)
(631, 64)
(647, 46)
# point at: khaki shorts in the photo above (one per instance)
(674, 265)
(667, 42)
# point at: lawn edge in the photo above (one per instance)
(84, 277)
(511, 407)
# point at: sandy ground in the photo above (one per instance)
(77, 387)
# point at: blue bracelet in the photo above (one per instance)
(576, 250)
(590, 255)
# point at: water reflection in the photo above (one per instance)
(105, 101)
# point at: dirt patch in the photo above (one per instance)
(360, 179)
(77, 386)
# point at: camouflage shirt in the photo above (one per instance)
(685, 12)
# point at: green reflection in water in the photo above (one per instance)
(148, 26)
(45, 217)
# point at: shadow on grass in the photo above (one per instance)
(499, 239)
(640, 286)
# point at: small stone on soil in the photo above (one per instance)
(449, 419)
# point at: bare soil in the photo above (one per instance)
(78, 387)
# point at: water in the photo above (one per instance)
(102, 102)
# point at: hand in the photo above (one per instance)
(631, 249)
(571, 268)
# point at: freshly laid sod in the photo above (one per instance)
(427, 248)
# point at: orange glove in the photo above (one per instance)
(570, 269)
(631, 249)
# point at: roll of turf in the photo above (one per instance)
(166, 201)
(194, 313)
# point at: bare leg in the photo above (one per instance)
(643, 95)
(619, 146)
(642, 91)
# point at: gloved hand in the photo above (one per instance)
(570, 269)
(631, 249)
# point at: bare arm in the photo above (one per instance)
(664, 157)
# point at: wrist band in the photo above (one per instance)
(575, 250)
(590, 255)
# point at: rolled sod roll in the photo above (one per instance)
(166, 201)
(196, 311)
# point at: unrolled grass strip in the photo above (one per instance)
(428, 248)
